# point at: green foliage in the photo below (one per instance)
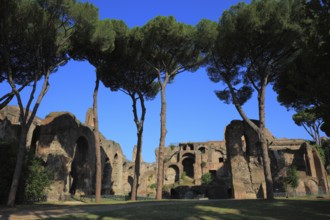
(183, 175)
(38, 180)
(172, 147)
(292, 178)
(304, 82)
(207, 178)
(326, 148)
(310, 121)
(153, 186)
(252, 42)
(321, 152)
(203, 164)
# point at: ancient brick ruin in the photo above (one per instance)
(67, 146)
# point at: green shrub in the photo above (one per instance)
(153, 186)
(207, 178)
(37, 181)
(292, 178)
(183, 175)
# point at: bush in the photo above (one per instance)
(37, 182)
(207, 178)
(291, 178)
(153, 186)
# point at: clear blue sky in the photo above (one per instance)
(193, 113)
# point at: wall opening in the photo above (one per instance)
(188, 165)
(172, 174)
(79, 166)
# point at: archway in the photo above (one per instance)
(188, 164)
(106, 178)
(79, 165)
(172, 174)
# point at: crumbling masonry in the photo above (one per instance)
(67, 146)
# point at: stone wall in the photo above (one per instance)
(245, 162)
(68, 147)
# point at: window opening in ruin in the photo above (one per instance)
(188, 166)
(115, 158)
(79, 166)
(243, 144)
(221, 160)
(184, 147)
(202, 150)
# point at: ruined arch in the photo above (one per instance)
(188, 161)
(106, 177)
(172, 174)
(130, 180)
(79, 166)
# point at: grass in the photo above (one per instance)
(308, 208)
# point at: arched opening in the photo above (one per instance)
(188, 164)
(115, 158)
(172, 174)
(79, 166)
(106, 178)
(202, 150)
(130, 183)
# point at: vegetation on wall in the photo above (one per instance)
(207, 178)
(38, 180)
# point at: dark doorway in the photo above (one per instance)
(188, 166)
(79, 165)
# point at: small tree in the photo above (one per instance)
(291, 179)
(207, 178)
(252, 43)
(170, 48)
(311, 122)
(35, 41)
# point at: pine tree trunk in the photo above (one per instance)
(160, 173)
(264, 144)
(137, 166)
(98, 180)
(139, 127)
(18, 167)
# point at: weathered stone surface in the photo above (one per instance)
(67, 146)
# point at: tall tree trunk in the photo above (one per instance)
(98, 180)
(139, 127)
(18, 167)
(264, 144)
(26, 120)
(160, 173)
